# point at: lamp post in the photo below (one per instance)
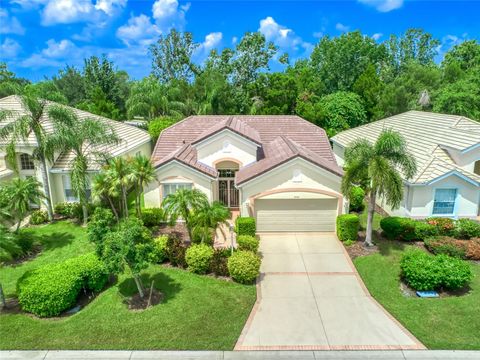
(231, 238)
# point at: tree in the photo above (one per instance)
(9, 83)
(102, 190)
(183, 203)
(71, 84)
(119, 171)
(83, 138)
(32, 120)
(143, 173)
(369, 86)
(466, 55)
(377, 167)
(21, 194)
(156, 126)
(45, 90)
(208, 217)
(278, 93)
(172, 57)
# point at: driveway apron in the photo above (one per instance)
(309, 297)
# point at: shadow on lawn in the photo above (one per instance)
(162, 282)
(387, 247)
(55, 240)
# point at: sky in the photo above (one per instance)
(39, 37)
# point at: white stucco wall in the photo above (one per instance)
(468, 159)
(339, 153)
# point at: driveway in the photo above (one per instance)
(309, 296)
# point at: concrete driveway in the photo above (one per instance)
(311, 297)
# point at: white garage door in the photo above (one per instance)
(296, 214)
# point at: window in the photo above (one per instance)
(172, 188)
(226, 173)
(26, 162)
(444, 202)
(69, 193)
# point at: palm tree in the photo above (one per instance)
(21, 194)
(33, 121)
(143, 173)
(102, 190)
(82, 138)
(377, 168)
(119, 171)
(209, 217)
(182, 204)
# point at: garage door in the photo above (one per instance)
(296, 214)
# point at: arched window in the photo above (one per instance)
(26, 162)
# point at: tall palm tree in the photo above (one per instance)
(83, 138)
(119, 171)
(143, 173)
(183, 203)
(377, 167)
(21, 194)
(33, 121)
(102, 190)
(209, 217)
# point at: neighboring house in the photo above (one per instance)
(447, 151)
(132, 141)
(279, 169)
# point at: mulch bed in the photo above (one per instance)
(136, 303)
(409, 292)
(179, 230)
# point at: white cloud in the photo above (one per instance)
(234, 40)
(318, 34)
(10, 48)
(377, 36)
(139, 29)
(447, 43)
(341, 27)
(59, 49)
(211, 40)
(110, 7)
(383, 5)
(282, 36)
(168, 14)
(54, 55)
(10, 25)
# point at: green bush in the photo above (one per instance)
(156, 126)
(244, 266)
(398, 228)
(72, 210)
(38, 217)
(424, 230)
(218, 264)
(204, 235)
(159, 250)
(445, 245)
(247, 242)
(176, 252)
(54, 288)
(356, 197)
(152, 216)
(347, 227)
(198, 257)
(422, 271)
(466, 229)
(26, 241)
(445, 226)
(245, 226)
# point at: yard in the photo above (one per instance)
(198, 312)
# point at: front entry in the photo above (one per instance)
(227, 193)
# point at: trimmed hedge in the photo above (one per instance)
(54, 288)
(424, 230)
(218, 264)
(159, 250)
(395, 227)
(356, 197)
(423, 272)
(244, 266)
(152, 216)
(198, 257)
(245, 226)
(247, 242)
(466, 229)
(38, 217)
(347, 227)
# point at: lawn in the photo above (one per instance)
(445, 323)
(197, 313)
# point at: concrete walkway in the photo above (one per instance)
(310, 297)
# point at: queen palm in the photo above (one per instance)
(33, 121)
(119, 171)
(183, 203)
(103, 191)
(143, 173)
(209, 217)
(378, 168)
(83, 138)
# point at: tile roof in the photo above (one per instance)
(262, 129)
(429, 138)
(188, 156)
(130, 136)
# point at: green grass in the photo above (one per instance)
(197, 313)
(444, 323)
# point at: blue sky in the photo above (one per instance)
(38, 37)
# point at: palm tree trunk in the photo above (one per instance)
(46, 188)
(139, 195)
(2, 297)
(124, 195)
(139, 284)
(85, 214)
(113, 207)
(371, 212)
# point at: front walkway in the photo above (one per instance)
(310, 297)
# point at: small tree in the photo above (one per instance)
(376, 167)
(143, 173)
(208, 218)
(119, 171)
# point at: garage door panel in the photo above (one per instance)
(296, 215)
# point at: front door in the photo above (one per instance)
(227, 193)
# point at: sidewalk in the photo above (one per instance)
(241, 355)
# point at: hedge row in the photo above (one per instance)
(347, 227)
(245, 226)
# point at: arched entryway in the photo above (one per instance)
(227, 194)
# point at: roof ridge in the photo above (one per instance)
(290, 144)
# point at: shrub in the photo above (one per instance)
(466, 229)
(244, 266)
(204, 235)
(445, 226)
(159, 251)
(356, 197)
(400, 228)
(54, 288)
(473, 249)
(218, 264)
(176, 252)
(26, 241)
(347, 227)
(101, 223)
(445, 245)
(422, 271)
(424, 230)
(245, 226)
(152, 216)
(198, 258)
(38, 217)
(64, 209)
(247, 242)
(72, 210)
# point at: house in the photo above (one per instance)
(447, 151)
(279, 169)
(132, 141)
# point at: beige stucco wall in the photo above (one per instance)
(312, 177)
